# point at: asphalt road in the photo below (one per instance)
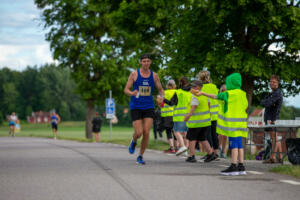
(42, 169)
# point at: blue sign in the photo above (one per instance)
(110, 108)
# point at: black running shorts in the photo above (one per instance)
(138, 114)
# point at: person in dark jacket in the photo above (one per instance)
(97, 126)
(157, 124)
(272, 103)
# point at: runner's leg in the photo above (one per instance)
(147, 126)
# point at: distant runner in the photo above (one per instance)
(55, 119)
(141, 103)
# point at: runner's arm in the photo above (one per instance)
(158, 85)
(129, 84)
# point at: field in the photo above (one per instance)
(76, 131)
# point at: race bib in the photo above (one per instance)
(145, 90)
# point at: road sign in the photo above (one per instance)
(110, 108)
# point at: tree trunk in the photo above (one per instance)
(90, 111)
(248, 86)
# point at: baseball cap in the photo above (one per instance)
(196, 83)
(145, 55)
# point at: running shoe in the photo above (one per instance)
(131, 147)
(203, 158)
(242, 170)
(211, 157)
(140, 160)
(191, 159)
(232, 170)
(181, 150)
(170, 150)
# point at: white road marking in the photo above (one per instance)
(223, 165)
(255, 172)
(290, 182)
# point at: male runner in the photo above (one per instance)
(141, 103)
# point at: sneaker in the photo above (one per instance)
(211, 157)
(140, 161)
(181, 150)
(170, 150)
(131, 147)
(232, 170)
(204, 157)
(217, 157)
(223, 155)
(191, 159)
(242, 170)
(185, 154)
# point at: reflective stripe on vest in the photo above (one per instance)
(212, 89)
(181, 109)
(167, 111)
(233, 123)
(201, 115)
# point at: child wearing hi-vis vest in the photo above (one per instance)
(232, 121)
(198, 123)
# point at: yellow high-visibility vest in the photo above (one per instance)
(181, 109)
(213, 103)
(167, 110)
(233, 123)
(201, 115)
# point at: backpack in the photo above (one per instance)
(293, 150)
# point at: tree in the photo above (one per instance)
(256, 38)
(80, 36)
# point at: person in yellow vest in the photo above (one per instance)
(232, 121)
(198, 123)
(179, 100)
(167, 115)
(211, 88)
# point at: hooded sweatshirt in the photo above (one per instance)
(233, 81)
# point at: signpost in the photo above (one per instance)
(110, 111)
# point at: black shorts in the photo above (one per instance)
(138, 114)
(54, 126)
(96, 130)
(198, 134)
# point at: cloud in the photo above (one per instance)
(19, 57)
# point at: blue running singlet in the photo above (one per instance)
(145, 87)
(54, 119)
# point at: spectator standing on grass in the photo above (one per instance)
(97, 121)
(232, 121)
(157, 124)
(272, 103)
(210, 88)
(55, 119)
(12, 123)
(141, 103)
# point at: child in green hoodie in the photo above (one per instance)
(232, 121)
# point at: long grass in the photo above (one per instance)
(291, 170)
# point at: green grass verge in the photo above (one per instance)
(291, 170)
(76, 131)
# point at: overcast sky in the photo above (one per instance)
(22, 40)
